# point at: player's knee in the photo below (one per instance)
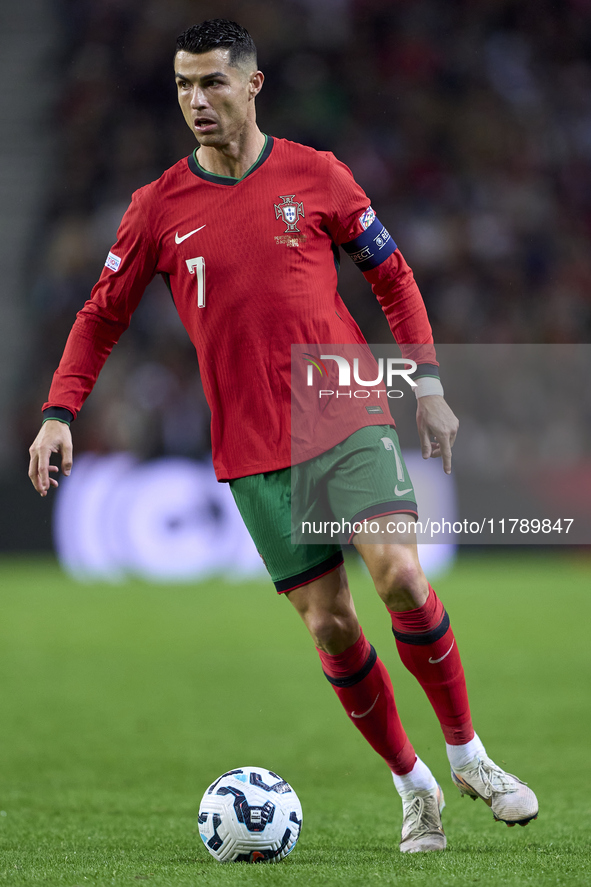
(401, 583)
(331, 632)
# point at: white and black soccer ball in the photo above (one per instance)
(250, 815)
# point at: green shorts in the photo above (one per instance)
(288, 512)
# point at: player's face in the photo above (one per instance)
(217, 99)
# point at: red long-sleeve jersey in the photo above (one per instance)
(251, 266)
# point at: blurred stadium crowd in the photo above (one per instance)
(468, 122)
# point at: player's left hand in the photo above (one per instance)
(438, 427)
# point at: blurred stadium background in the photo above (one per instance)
(468, 122)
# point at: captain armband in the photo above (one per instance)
(373, 246)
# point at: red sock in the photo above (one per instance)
(428, 649)
(364, 688)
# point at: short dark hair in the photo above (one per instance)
(219, 33)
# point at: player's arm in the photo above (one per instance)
(130, 266)
(356, 228)
(399, 296)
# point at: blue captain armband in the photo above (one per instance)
(371, 248)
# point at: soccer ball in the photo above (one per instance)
(250, 815)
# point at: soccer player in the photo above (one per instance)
(244, 232)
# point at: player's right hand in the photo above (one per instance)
(53, 437)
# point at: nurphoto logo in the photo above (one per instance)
(395, 368)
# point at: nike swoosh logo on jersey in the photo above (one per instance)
(178, 239)
(435, 661)
(398, 492)
(365, 713)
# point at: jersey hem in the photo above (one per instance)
(224, 474)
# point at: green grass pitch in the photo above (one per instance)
(120, 704)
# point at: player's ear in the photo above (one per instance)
(255, 83)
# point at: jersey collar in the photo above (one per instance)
(198, 170)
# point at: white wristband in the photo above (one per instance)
(428, 385)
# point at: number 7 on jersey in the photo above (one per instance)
(197, 266)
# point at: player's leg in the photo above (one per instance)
(364, 689)
(313, 579)
(420, 624)
(428, 649)
(352, 666)
(368, 483)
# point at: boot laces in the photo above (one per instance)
(421, 818)
(494, 778)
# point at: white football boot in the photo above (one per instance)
(509, 798)
(421, 824)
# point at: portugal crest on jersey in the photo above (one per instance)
(290, 212)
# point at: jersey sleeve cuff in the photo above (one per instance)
(61, 414)
(427, 379)
(426, 370)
